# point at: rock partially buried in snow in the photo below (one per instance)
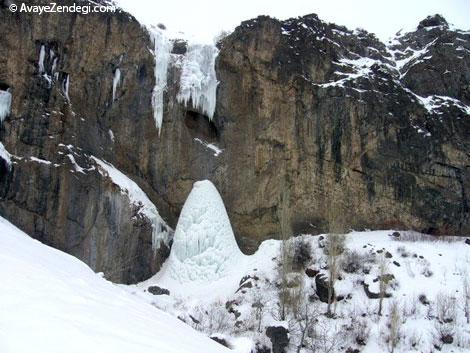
(204, 246)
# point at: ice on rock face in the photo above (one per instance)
(5, 155)
(204, 246)
(116, 82)
(198, 83)
(162, 52)
(42, 56)
(5, 104)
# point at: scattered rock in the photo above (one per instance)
(279, 338)
(467, 241)
(388, 255)
(156, 290)
(396, 263)
(322, 288)
(372, 295)
(245, 285)
(447, 339)
(221, 340)
(193, 319)
(310, 272)
(423, 299)
(396, 234)
(261, 348)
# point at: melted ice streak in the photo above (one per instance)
(198, 83)
(116, 82)
(204, 246)
(161, 232)
(162, 50)
(66, 85)
(5, 104)
(42, 56)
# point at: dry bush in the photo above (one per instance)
(393, 335)
(421, 237)
(302, 254)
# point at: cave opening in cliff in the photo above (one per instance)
(4, 86)
(199, 125)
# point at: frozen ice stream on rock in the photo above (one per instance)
(204, 247)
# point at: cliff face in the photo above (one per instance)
(315, 123)
(60, 69)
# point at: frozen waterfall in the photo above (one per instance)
(5, 104)
(204, 246)
(198, 83)
(162, 52)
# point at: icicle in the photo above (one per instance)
(198, 82)
(116, 82)
(54, 66)
(162, 50)
(5, 104)
(65, 86)
(42, 56)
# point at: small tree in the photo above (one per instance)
(466, 297)
(334, 248)
(384, 280)
(285, 254)
(258, 306)
(394, 325)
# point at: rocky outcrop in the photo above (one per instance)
(311, 120)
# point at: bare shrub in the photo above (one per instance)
(302, 254)
(384, 281)
(352, 261)
(361, 331)
(394, 322)
(334, 248)
(415, 339)
(445, 318)
(214, 319)
(466, 297)
(420, 237)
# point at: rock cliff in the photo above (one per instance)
(313, 123)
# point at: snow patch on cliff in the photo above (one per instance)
(161, 231)
(162, 53)
(198, 83)
(5, 104)
(204, 247)
(5, 155)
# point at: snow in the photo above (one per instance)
(210, 146)
(198, 82)
(162, 50)
(53, 303)
(426, 265)
(204, 247)
(5, 104)
(116, 82)
(5, 155)
(161, 232)
(42, 161)
(42, 56)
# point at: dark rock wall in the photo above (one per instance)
(307, 137)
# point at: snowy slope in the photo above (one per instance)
(51, 302)
(422, 266)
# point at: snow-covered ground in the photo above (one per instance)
(50, 302)
(427, 272)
